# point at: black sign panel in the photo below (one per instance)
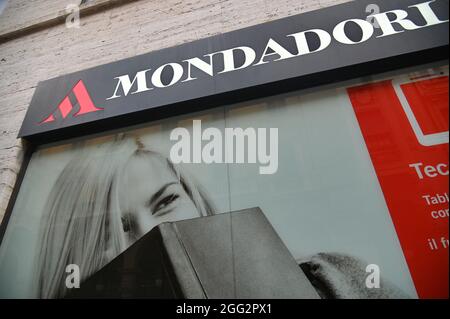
(300, 51)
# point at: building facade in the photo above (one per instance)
(348, 131)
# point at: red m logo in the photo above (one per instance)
(84, 101)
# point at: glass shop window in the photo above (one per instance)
(352, 180)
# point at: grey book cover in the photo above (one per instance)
(232, 255)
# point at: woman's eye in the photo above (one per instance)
(166, 201)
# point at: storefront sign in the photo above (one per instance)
(295, 52)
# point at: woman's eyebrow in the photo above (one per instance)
(159, 193)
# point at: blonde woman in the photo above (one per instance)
(102, 202)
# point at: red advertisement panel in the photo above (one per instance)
(405, 126)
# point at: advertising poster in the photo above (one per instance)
(346, 191)
(405, 126)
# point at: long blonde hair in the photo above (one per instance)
(82, 219)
